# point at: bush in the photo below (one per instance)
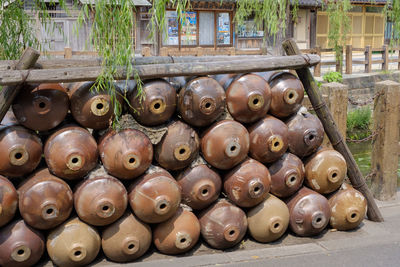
(333, 76)
(359, 119)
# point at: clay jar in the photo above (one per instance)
(20, 245)
(287, 94)
(247, 184)
(200, 186)
(268, 139)
(268, 220)
(348, 208)
(309, 212)
(74, 243)
(71, 152)
(201, 102)
(223, 225)
(45, 201)
(157, 105)
(287, 175)
(225, 79)
(325, 171)
(21, 151)
(306, 133)
(225, 144)
(248, 98)
(178, 234)
(127, 239)
(8, 201)
(100, 200)
(155, 196)
(126, 154)
(92, 107)
(178, 147)
(42, 107)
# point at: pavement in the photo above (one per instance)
(371, 244)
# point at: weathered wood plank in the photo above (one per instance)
(162, 70)
(332, 132)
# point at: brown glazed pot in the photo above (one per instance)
(42, 107)
(225, 144)
(178, 147)
(248, 98)
(287, 175)
(309, 212)
(325, 171)
(126, 154)
(268, 220)
(200, 186)
(21, 151)
(178, 234)
(71, 152)
(287, 94)
(9, 119)
(74, 243)
(155, 196)
(224, 79)
(268, 139)
(100, 200)
(92, 108)
(247, 184)
(45, 201)
(127, 239)
(8, 201)
(157, 105)
(306, 134)
(201, 102)
(20, 245)
(348, 208)
(223, 225)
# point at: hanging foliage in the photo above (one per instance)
(392, 15)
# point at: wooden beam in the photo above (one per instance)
(8, 93)
(332, 131)
(161, 70)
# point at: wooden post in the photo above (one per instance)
(398, 66)
(339, 62)
(67, 52)
(8, 93)
(368, 59)
(317, 69)
(349, 59)
(332, 132)
(146, 51)
(385, 57)
(385, 156)
(164, 51)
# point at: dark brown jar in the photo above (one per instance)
(45, 201)
(126, 154)
(8, 201)
(287, 175)
(247, 184)
(223, 225)
(71, 152)
(178, 147)
(200, 186)
(225, 144)
(9, 120)
(248, 98)
(155, 196)
(178, 234)
(126, 239)
(100, 200)
(91, 106)
(225, 79)
(287, 94)
(325, 171)
(306, 133)
(42, 107)
(74, 243)
(348, 208)
(20, 245)
(21, 151)
(309, 212)
(268, 139)
(157, 104)
(201, 102)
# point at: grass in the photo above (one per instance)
(358, 123)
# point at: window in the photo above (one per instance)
(249, 29)
(189, 29)
(170, 36)
(206, 28)
(223, 29)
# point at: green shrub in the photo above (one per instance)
(333, 76)
(359, 119)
